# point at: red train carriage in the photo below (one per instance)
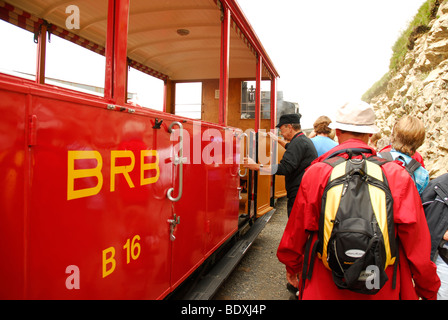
(101, 198)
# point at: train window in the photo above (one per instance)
(248, 100)
(145, 90)
(18, 55)
(189, 99)
(71, 66)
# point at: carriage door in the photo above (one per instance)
(97, 203)
(187, 198)
(264, 181)
(253, 176)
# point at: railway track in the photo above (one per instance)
(259, 275)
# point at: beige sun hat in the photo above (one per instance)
(356, 116)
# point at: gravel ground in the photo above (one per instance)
(259, 275)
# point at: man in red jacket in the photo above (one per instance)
(416, 275)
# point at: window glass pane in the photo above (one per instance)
(72, 66)
(189, 100)
(248, 90)
(145, 90)
(18, 57)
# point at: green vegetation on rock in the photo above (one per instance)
(418, 26)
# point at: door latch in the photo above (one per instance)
(239, 192)
(173, 223)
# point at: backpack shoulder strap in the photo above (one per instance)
(386, 155)
(412, 166)
(334, 161)
(377, 160)
(306, 259)
(385, 158)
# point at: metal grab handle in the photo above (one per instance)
(178, 160)
(247, 154)
(274, 150)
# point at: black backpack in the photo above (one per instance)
(356, 237)
(435, 204)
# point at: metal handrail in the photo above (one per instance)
(247, 154)
(178, 160)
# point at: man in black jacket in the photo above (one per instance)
(299, 154)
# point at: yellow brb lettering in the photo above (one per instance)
(106, 261)
(83, 173)
(149, 166)
(73, 174)
(121, 169)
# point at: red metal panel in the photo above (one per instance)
(258, 94)
(222, 191)
(165, 95)
(83, 189)
(273, 102)
(208, 209)
(41, 50)
(104, 220)
(224, 74)
(116, 51)
(188, 248)
(117, 236)
(109, 52)
(13, 189)
(120, 50)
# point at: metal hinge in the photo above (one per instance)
(121, 109)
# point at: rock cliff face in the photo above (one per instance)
(420, 89)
